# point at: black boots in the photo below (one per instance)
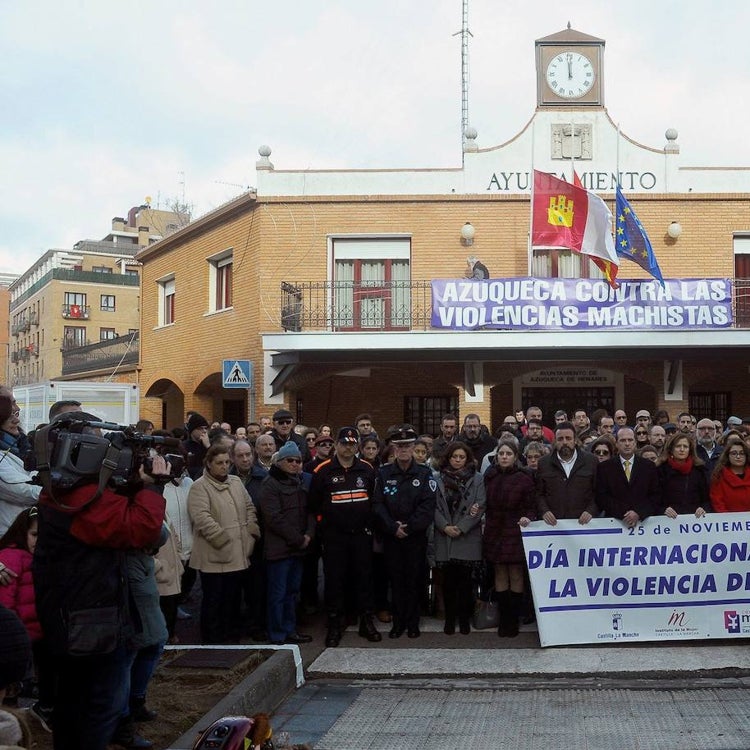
(140, 712)
(510, 606)
(333, 636)
(368, 630)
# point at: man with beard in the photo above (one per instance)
(707, 448)
(448, 429)
(478, 439)
(566, 480)
(657, 437)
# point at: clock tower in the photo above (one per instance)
(569, 70)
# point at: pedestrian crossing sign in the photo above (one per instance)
(237, 373)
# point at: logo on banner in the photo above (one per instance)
(731, 621)
(617, 621)
(678, 619)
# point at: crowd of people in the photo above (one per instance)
(259, 510)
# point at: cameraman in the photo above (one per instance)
(80, 579)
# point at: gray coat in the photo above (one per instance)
(468, 546)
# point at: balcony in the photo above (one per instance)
(34, 318)
(355, 306)
(15, 329)
(76, 312)
(14, 357)
(122, 351)
(379, 306)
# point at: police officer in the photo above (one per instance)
(341, 494)
(405, 508)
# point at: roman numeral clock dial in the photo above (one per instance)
(570, 75)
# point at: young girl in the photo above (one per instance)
(16, 553)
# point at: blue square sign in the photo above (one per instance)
(237, 373)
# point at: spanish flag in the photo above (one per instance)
(569, 216)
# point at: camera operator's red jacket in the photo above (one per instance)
(80, 574)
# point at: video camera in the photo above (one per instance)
(78, 447)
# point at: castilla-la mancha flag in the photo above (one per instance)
(567, 215)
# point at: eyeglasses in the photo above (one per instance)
(283, 421)
(310, 440)
(640, 432)
(601, 453)
(294, 460)
(737, 454)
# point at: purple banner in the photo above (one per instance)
(527, 304)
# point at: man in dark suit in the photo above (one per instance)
(627, 486)
(566, 480)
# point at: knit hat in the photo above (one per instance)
(323, 439)
(196, 420)
(290, 449)
(15, 649)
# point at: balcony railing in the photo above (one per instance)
(355, 306)
(393, 305)
(76, 312)
(122, 351)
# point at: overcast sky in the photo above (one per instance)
(105, 103)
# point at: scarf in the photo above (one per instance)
(682, 467)
(18, 446)
(455, 486)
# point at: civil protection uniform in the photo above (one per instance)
(342, 498)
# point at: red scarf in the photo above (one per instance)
(683, 467)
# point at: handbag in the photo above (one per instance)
(486, 615)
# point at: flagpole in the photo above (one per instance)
(529, 249)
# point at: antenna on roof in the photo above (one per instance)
(465, 34)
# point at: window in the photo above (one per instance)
(131, 272)
(549, 263)
(101, 269)
(371, 284)
(166, 301)
(107, 302)
(717, 405)
(74, 336)
(75, 306)
(75, 298)
(220, 280)
(742, 279)
(426, 412)
(105, 334)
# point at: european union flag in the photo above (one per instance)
(631, 240)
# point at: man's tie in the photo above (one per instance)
(627, 469)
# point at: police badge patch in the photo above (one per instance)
(360, 483)
(433, 485)
(416, 482)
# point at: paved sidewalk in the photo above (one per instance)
(457, 717)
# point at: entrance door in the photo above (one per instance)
(570, 399)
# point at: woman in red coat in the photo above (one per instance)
(730, 482)
(510, 497)
(16, 553)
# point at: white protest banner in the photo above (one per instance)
(665, 579)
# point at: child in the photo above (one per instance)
(15, 653)
(16, 553)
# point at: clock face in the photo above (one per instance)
(570, 75)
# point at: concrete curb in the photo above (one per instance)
(261, 691)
